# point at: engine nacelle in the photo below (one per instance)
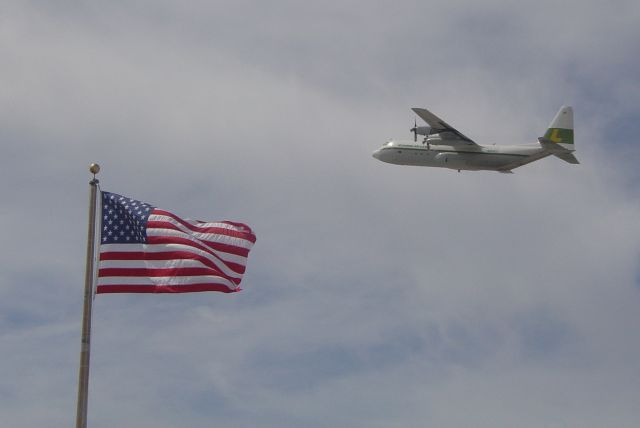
(423, 130)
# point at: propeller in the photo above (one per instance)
(415, 130)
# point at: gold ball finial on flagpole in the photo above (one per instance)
(94, 168)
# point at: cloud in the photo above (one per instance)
(375, 295)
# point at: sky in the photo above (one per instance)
(376, 295)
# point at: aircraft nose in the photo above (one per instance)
(376, 154)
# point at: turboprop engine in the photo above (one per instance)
(419, 130)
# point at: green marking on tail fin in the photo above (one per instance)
(560, 130)
(559, 135)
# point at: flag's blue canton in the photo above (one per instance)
(124, 220)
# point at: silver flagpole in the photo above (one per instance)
(85, 347)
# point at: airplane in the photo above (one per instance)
(446, 147)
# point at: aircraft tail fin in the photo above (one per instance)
(559, 135)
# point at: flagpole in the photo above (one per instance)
(85, 347)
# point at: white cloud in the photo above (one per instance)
(375, 295)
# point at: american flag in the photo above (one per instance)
(144, 249)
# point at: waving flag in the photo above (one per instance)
(144, 249)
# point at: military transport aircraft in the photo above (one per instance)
(445, 147)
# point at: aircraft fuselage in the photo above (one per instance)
(460, 157)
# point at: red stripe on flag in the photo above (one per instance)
(190, 288)
(218, 246)
(162, 240)
(168, 255)
(163, 272)
(246, 234)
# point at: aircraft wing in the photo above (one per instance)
(446, 131)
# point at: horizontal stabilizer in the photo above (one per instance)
(567, 157)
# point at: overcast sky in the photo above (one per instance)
(376, 295)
